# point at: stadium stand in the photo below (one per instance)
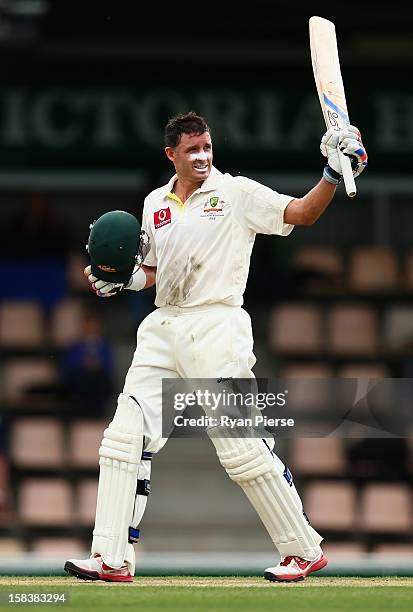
(364, 333)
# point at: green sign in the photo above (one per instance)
(122, 127)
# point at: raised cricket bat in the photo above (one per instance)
(330, 88)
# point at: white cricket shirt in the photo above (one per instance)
(202, 248)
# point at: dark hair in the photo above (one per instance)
(191, 123)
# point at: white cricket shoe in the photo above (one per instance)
(294, 569)
(95, 568)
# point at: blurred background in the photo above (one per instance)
(86, 90)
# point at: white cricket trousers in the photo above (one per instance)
(215, 341)
(209, 341)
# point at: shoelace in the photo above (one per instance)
(286, 561)
(302, 563)
(298, 560)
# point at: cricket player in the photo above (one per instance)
(199, 231)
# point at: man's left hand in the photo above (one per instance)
(350, 143)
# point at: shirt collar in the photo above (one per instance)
(210, 184)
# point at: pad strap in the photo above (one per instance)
(143, 487)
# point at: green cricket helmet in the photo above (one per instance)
(116, 244)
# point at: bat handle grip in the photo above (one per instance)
(348, 177)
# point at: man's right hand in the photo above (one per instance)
(100, 287)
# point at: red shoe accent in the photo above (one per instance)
(108, 574)
(115, 578)
(302, 563)
(305, 567)
(106, 567)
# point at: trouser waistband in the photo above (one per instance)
(202, 308)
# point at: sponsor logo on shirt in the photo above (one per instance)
(213, 208)
(162, 217)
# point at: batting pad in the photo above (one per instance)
(271, 491)
(120, 456)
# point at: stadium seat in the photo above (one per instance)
(19, 374)
(45, 501)
(37, 442)
(323, 259)
(58, 547)
(364, 370)
(373, 269)
(86, 506)
(317, 456)
(318, 268)
(352, 329)
(84, 441)
(330, 504)
(66, 322)
(386, 507)
(295, 327)
(21, 325)
(398, 327)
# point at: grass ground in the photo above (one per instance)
(226, 594)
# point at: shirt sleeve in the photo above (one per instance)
(150, 259)
(262, 208)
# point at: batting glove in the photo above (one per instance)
(349, 142)
(104, 289)
(100, 287)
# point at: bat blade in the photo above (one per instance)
(329, 83)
